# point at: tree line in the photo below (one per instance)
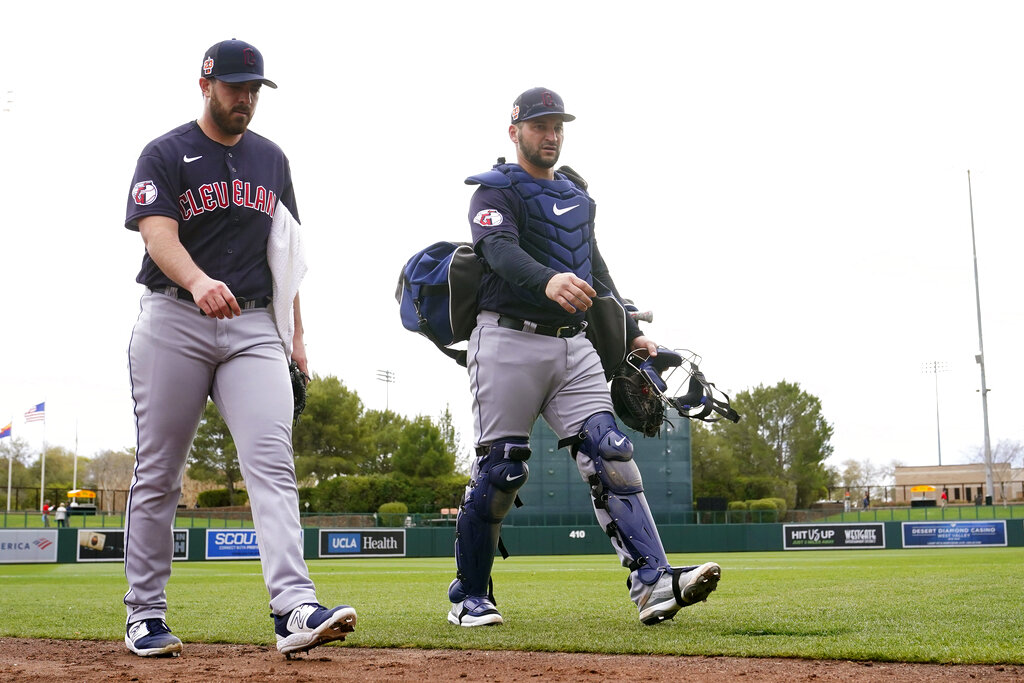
(347, 458)
(352, 459)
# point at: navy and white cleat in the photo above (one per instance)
(681, 587)
(310, 625)
(151, 638)
(474, 611)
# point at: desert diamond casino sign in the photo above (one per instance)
(833, 536)
(362, 543)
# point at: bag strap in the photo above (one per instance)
(458, 355)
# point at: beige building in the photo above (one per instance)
(963, 483)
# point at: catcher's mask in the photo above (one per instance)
(641, 391)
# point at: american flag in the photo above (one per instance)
(36, 413)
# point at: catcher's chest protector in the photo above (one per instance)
(559, 224)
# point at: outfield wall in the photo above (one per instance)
(199, 544)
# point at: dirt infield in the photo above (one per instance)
(52, 660)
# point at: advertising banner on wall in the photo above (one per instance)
(28, 545)
(362, 543)
(107, 545)
(833, 536)
(953, 534)
(231, 544)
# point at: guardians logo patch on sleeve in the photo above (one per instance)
(144, 193)
(488, 218)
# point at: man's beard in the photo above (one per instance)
(534, 157)
(226, 120)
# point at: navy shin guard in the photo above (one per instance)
(490, 494)
(604, 457)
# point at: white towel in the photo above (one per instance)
(287, 268)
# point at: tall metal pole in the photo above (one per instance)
(989, 487)
(388, 378)
(10, 467)
(934, 367)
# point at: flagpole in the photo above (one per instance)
(74, 480)
(42, 467)
(10, 466)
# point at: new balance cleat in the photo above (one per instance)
(310, 625)
(151, 638)
(474, 611)
(678, 588)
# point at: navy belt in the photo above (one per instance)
(184, 295)
(546, 330)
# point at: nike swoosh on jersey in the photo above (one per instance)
(508, 478)
(559, 212)
(188, 160)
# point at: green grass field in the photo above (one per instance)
(937, 605)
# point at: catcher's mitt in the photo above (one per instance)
(299, 381)
(635, 402)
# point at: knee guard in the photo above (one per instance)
(604, 458)
(495, 478)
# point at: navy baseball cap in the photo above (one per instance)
(234, 61)
(538, 102)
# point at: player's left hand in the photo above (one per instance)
(299, 355)
(644, 343)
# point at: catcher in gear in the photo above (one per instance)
(529, 356)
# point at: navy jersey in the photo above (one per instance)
(223, 198)
(552, 221)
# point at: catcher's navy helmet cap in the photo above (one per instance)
(234, 61)
(538, 102)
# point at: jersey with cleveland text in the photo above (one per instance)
(223, 199)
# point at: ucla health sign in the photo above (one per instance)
(959, 533)
(362, 543)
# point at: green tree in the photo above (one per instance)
(16, 453)
(110, 470)
(714, 467)
(332, 437)
(213, 456)
(60, 467)
(422, 451)
(384, 427)
(446, 426)
(780, 445)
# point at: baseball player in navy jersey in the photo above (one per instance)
(203, 198)
(529, 356)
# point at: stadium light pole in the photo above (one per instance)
(980, 358)
(934, 367)
(388, 378)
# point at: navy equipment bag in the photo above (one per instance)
(437, 294)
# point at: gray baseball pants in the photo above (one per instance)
(177, 358)
(516, 376)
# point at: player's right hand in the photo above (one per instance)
(570, 292)
(215, 299)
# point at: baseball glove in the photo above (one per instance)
(636, 404)
(299, 381)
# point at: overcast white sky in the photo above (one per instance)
(784, 184)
